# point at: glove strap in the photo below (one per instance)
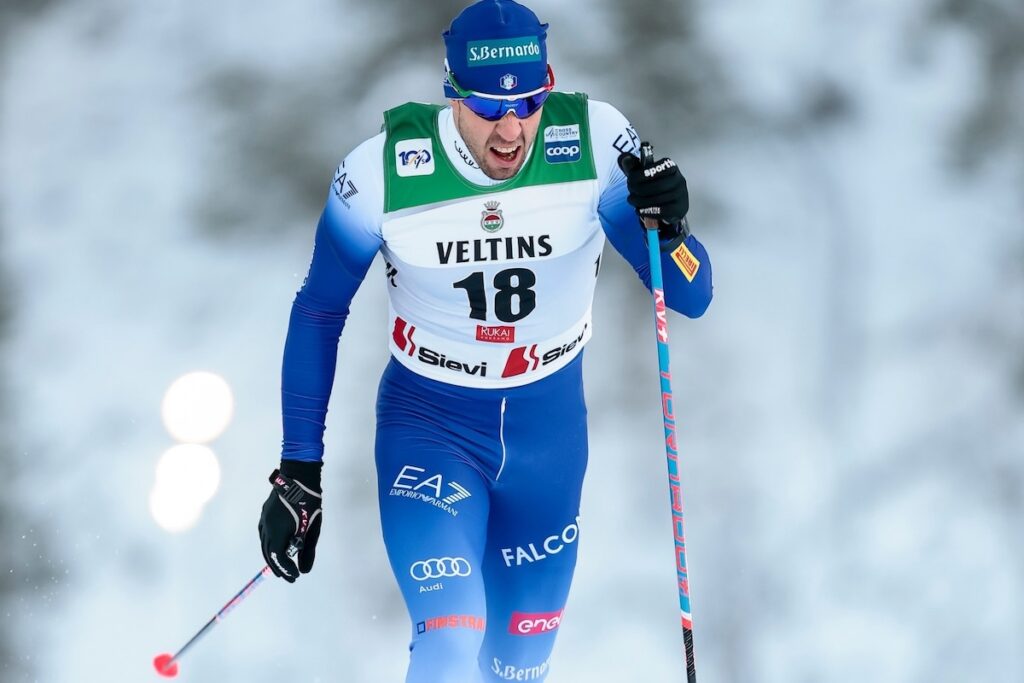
(306, 473)
(678, 232)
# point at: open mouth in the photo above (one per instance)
(507, 155)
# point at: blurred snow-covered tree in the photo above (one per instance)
(8, 583)
(291, 129)
(658, 59)
(990, 139)
(25, 576)
(994, 123)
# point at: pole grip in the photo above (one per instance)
(646, 161)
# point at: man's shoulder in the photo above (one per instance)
(604, 115)
(366, 156)
(359, 179)
(415, 105)
(368, 147)
(611, 130)
(411, 116)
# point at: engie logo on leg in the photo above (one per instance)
(532, 624)
(562, 144)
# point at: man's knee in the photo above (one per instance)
(446, 656)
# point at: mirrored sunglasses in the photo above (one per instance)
(494, 107)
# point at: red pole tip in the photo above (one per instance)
(165, 666)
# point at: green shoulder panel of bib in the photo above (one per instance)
(431, 179)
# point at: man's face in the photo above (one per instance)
(499, 147)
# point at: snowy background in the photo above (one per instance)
(853, 402)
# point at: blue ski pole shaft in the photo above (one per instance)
(231, 604)
(167, 665)
(671, 448)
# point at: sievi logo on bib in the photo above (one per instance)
(414, 157)
(562, 144)
(523, 359)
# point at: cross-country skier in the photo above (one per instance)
(491, 214)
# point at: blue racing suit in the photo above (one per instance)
(479, 487)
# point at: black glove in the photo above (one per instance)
(657, 189)
(292, 515)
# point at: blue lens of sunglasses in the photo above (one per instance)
(494, 110)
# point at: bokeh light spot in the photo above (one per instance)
(172, 513)
(189, 472)
(197, 407)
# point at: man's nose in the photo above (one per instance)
(509, 127)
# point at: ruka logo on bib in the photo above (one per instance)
(491, 219)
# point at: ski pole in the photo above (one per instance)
(671, 450)
(167, 665)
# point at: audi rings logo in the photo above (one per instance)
(439, 568)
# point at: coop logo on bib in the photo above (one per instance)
(562, 144)
(414, 157)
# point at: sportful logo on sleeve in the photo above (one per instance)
(502, 51)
